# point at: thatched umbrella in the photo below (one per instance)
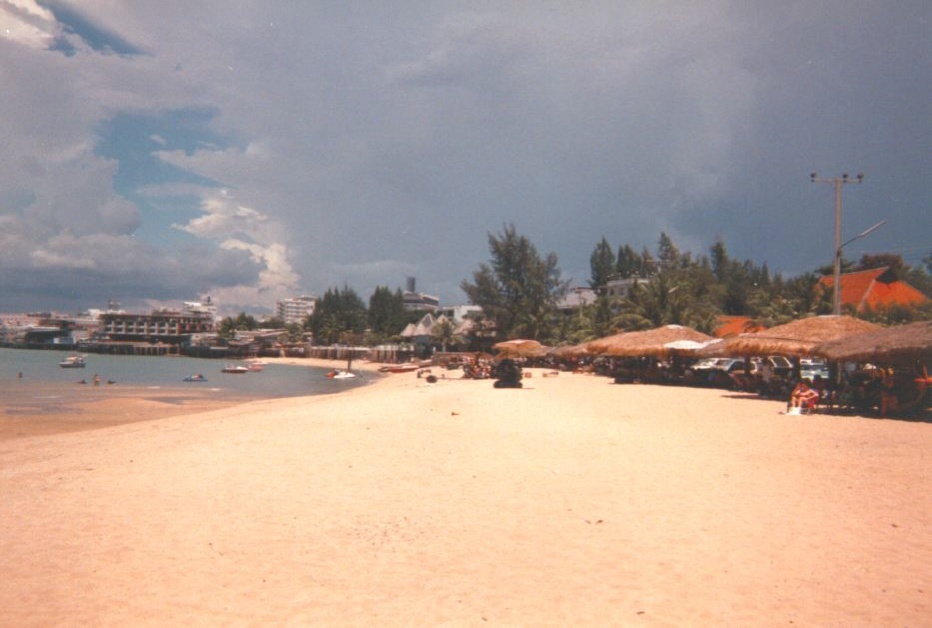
(600, 345)
(645, 343)
(797, 338)
(520, 348)
(902, 344)
(570, 351)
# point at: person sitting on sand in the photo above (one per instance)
(803, 396)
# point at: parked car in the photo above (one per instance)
(725, 365)
(704, 364)
(717, 371)
(781, 366)
(808, 369)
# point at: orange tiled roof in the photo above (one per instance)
(872, 289)
(733, 325)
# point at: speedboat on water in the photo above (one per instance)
(197, 377)
(234, 368)
(340, 374)
(73, 362)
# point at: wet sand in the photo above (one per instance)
(29, 408)
(572, 501)
(34, 409)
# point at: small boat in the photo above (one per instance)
(340, 374)
(234, 368)
(197, 377)
(255, 365)
(73, 362)
(399, 368)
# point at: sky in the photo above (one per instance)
(160, 151)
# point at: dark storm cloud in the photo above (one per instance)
(361, 144)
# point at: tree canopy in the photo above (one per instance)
(387, 315)
(338, 313)
(518, 289)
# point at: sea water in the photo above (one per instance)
(275, 380)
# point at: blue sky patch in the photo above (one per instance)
(98, 38)
(133, 141)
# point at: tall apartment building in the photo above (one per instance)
(418, 301)
(295, 309)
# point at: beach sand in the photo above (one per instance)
(572, 501)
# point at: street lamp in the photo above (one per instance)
(837, 305)
(838, 182)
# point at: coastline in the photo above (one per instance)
(570, 501)
(28, 408)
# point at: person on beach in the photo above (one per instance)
(803, 396)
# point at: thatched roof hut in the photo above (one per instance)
(902, 344)
(520, 348)
(570, 351)
(797, 338)
(645, 343)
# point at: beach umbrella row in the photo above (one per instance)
(570, 351)
(904, 344)
(832, 337)
(653, 342)
(798, 338)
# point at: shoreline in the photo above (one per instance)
(28, 408)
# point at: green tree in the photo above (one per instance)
(592, 321)
(387, 315)
(294, 332)
(602, 317)
(339, 312)
(880, 260)
(517, 288)
(627, 263)
(677, 291)
(230, 325)
(720, 261)
(667, 253)
(273, 323)
(646, 264)
(602, 265)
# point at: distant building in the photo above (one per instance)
(204, 307)
(295, 309)
(418, 301)
(458, 313)
(44, 329)
(168, 326)
(420, 334)
(873, 289)
(619, 288)
(575, 299)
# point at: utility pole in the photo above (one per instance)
(837, 182)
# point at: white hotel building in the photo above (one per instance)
(296, 309)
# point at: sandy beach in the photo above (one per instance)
(572, 501)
